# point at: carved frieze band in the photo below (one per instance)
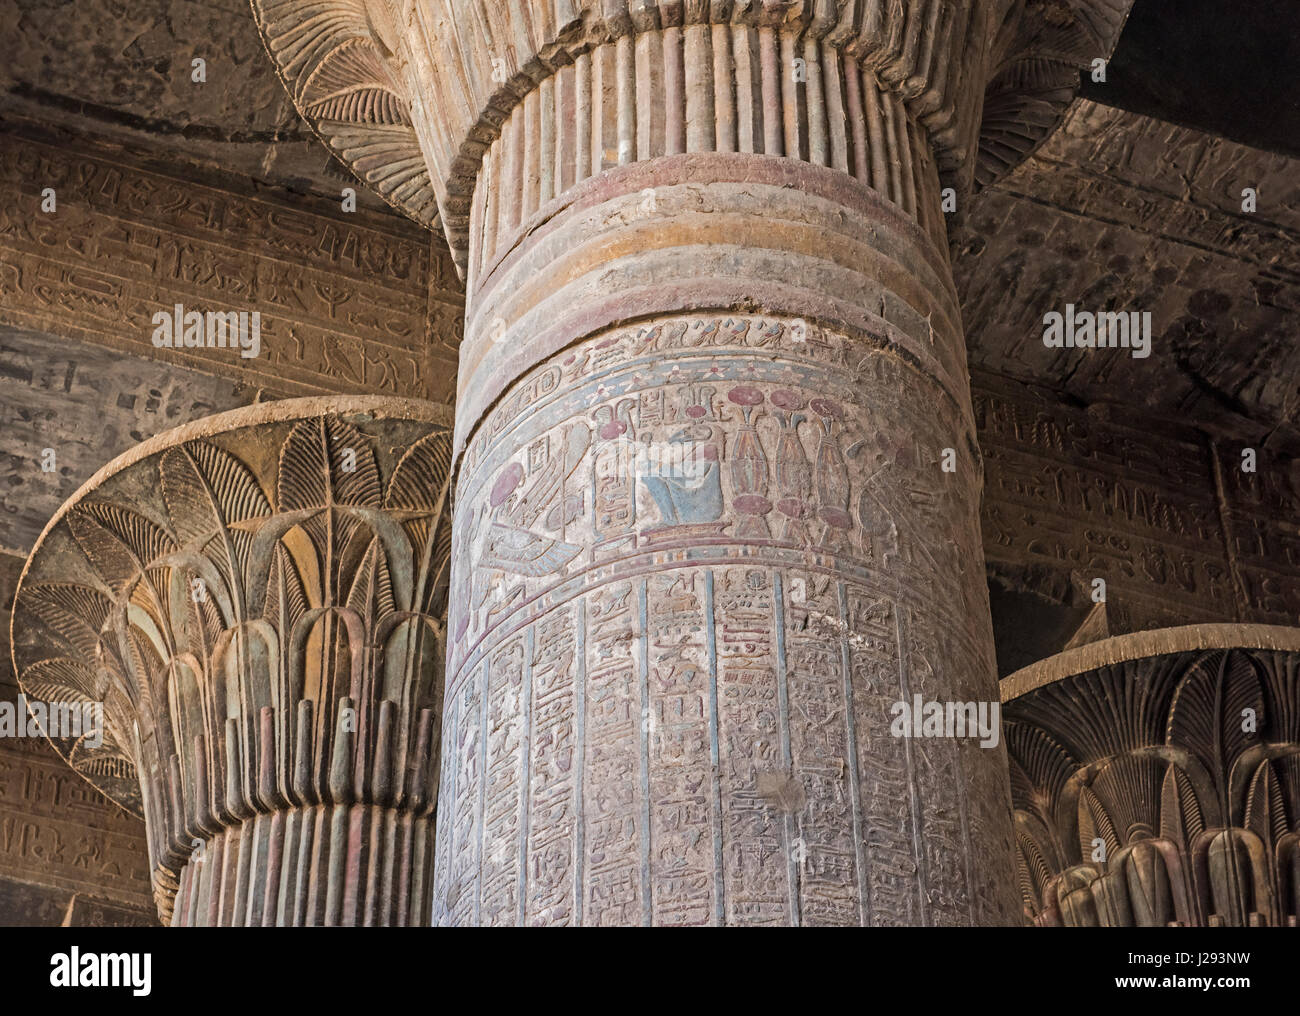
(255, 600)
(1073, 496)
(1156, 780)
(352, 305)
(700, 233)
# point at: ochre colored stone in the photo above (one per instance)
(255, 599)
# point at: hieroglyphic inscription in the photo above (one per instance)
(699, 528)
(346, 300)
(828, 829)
(1262, 527)
(890, 823)
(554, 771)
(1079, 495)
(941, 785)
(57, 830)
(458, 849)
(759, 798)
(506, 747)
(1092, 497)
(614, 826)
(682, 745)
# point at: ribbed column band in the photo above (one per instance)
(330, 865)
(702, 88)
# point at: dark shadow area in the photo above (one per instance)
(1028, 627)
(1227, 68)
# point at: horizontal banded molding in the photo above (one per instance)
(385, 80)
(469, 66)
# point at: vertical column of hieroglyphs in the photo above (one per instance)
(734, 757)
(505, 776)
(554, 781)
(758, 826)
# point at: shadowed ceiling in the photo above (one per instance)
(124, 69)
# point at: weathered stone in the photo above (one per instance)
(126, 71)
(704, 549)
(447, 75)
(255, 600)
(1156, 779)
(712, 239)
(1161, 512)
(346, 300)
(1123, 212)
(713, 381)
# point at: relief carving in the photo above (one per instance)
(256, 601)
(737, 559)
(1156, 780)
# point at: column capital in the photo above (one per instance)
(254, 602)
(1154, 779)
(412, 93)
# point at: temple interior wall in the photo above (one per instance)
(1164, 513)
(367, 302)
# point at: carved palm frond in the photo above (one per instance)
(1217, 708)
(1181, 819)
(1183, 763)
(334, 58)
(186, 593)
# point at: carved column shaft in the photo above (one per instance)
(254, 601)
(704, 539)
(717, 476)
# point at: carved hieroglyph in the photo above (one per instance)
(1156, 779)
(699, 557)
(255, 601)
(1178, 533)
(348, 303)
(691, 578)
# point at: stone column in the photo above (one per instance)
(717, 503)
(700, 553)
(252, 603)
(717, 479)
(1156, 780)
